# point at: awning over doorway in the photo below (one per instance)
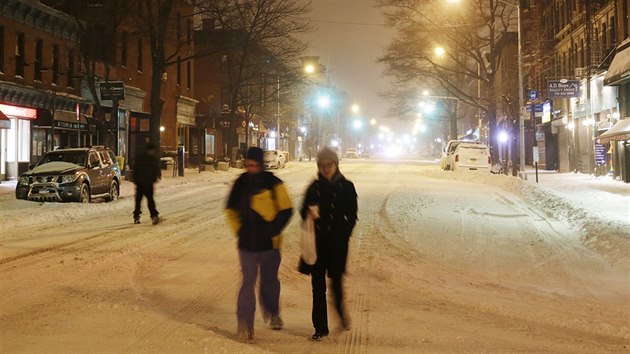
(618, 132)
(619, 71)
(5, 122)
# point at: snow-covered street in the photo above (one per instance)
(440, 261)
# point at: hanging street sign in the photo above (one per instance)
(563, 88)
(532, 95)
(112, 90)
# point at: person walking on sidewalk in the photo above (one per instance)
(336, 198)
(146, 172)
(258, 208)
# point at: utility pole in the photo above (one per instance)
(521, 121)
(588, 26)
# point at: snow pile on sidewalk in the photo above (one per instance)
(598, 207)
(15, 213)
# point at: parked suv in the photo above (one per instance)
(273, 159)
(447, 160)
(71, 175)
(471, 156)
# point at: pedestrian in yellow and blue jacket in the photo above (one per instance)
(258, 208)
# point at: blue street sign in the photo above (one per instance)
(600, 154)
(532, 94)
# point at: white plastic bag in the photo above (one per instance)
(309, 249)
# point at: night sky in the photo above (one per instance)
(349, 39)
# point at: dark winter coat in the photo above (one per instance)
(338, 215)
(146, 170)
(258, 208)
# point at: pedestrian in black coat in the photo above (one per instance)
(336, 198)
(146, 172)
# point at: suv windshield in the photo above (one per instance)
(270, 155)
(75, 157)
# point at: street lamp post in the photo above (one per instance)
(521, 122)
(521, 98)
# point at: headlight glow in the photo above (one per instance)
(66, 178)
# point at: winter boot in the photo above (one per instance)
(276, 322)
(155, 219)
(136, 219)
(245, 333)
(318, 336)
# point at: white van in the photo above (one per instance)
(471, 156)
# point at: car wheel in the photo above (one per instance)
(113, 192)
(84, 194)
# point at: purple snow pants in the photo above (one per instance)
(269, 294)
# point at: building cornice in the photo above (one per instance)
(38, 15)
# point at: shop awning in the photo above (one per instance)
(5, 122)
(619, 71)
(618, 132)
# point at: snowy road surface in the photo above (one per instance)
(439, 262)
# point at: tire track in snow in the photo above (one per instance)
(356, 339)
(133, 242)
(565, 252)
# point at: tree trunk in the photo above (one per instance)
(156, 104)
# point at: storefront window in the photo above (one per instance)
(209, 144)
(39, 143)
(12, 142)
(24, 139)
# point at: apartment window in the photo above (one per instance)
(123, 50)
(179, 27)
(70, 69)
(19, 54)
(604, 37)
(188, 31)
(55, 64)
(625, 19)
(582, 54)
(224, 63)
(39, 56)
(225, 96)
(1, 48)
(140, 62)
(188, 75)
(613, 30)
(179, 71)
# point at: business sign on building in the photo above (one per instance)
(112, 90)
(600, 154)
(563, 88)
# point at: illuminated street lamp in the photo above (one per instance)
(355, 108)
(323, 102)
(439, 52)
(309, 68)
